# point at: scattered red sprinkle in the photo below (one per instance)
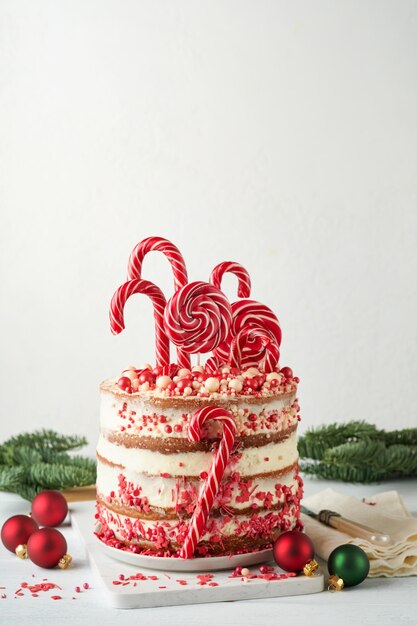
(56, 597)
(162, 587)
(77, 590)
(86, 586)
(182, 582)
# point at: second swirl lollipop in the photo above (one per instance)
(198, 317)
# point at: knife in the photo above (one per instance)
(354, 529)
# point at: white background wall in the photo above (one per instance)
(279, 134)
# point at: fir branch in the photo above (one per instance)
(28, 492)
(407, 437)
(358, 452)
(401, 460)
(316, 441)
(41, 439)
(345, 473)
(24, 455)
(10, 477)
(32, 462)
(371, 453)
(58, 476)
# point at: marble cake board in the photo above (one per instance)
(166, 590)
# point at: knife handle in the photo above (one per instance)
(354, 529)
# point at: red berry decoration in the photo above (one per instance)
(287, 372)
(293, 550)
(46, 547)
(49, 508)
(17, 530)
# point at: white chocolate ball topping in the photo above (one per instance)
(236, 384)
(212, 384)
(130, 374)
(162, 382)
(273, 376)
(250, 372)
(183, 372)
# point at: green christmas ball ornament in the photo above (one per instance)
(350, 563)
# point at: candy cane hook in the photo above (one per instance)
(179, 269)
(147, 288)
(244, 282)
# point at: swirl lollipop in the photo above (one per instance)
(244, 283)
(174, 256)
(254, 347)
(117, 305)
(198, 317)
(249, 313)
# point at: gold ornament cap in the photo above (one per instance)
(22, 551)
(335, 583)
(65, 561)
(310, 567)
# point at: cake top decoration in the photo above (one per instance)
(244, 337)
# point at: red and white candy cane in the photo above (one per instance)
(212, 365)
(198, 317)
(147, 288)
(244, 283)
(174, 256)
(212, 482)
(254, 347)
(249, 313)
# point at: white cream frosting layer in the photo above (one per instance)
(121, 411)
(162, 492)
(269, 458)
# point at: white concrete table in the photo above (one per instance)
(376, 601)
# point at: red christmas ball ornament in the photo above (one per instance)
(49, 508)
(293, 550)
(46, 547)
(17, 530)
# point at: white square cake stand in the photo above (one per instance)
(169, 587)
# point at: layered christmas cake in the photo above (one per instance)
(199, 460)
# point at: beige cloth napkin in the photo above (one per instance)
(387, 513)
